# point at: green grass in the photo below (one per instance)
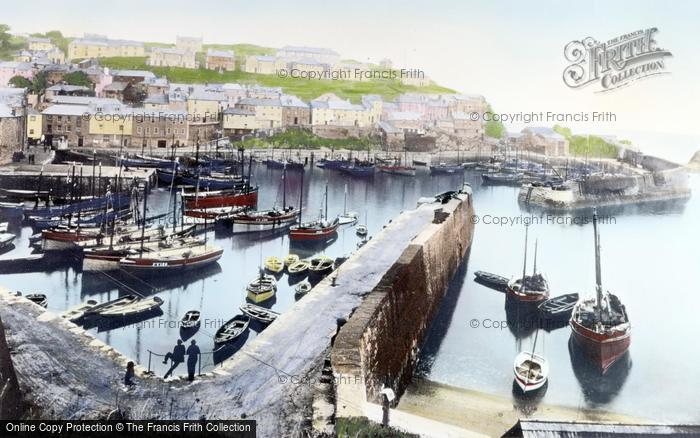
(305, 89)
(302, 138)
(588, 145)
(362, 427)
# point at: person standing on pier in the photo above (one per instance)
(192, 357)
(129, 375)
(177, 357)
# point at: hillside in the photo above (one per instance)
(305, 89)
(588, 145)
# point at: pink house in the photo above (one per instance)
(10, 69)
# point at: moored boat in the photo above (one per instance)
(274, 264)
(528, 289)
(117, 303)
(262, 288)
(302, 288)
(38, 299)
(443, 168)
(361, 230)
(76, 313)
(290, 260)
(172, 260)
(531, 371)
(222, 198)
(493, 281)
(298, 268)
(258, 313)
(231, 330)
(398, 170)
(264, 220)
(191, 319)
(558, 308)
(321, 265)
(6, 239)
(139, 306)
(600, 325)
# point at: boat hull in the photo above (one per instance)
(526, 298)
(259, 298)
(312, 234)
(603, 349)
(397, 170)
(249, 199)
(147, 265)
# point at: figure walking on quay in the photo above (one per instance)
(192, 357)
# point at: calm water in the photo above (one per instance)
(649, 259)
(219, 290)
(649, 256)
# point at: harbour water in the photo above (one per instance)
(649, 259)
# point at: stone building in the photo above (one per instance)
(159, 129)
(169, 57)
(99, 46)
(220, 60)
(268, 112)
(543, 140)
(295, 113)
(11, 131)
(238, 121)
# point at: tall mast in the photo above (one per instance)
(534, 266)
(284, 187)
(525, 256)
(143, 227)
(598, 281)
(325, 214)
(345, 200)
(301, 195)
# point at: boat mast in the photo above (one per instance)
(325, 214)
(345, 200)
(301, 196)
(143, 227)
(284, 187)
(598, 281)
(534, 267)
(525, 257)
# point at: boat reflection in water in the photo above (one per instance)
(598, 389)
(522, 320)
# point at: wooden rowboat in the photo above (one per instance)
(232, 329)
(558, 308)
(191, 319)
(262, 288)
(76, 313)
(274, 264)
(38, 299)
(137, 307)
(258, 313)
(290, 260)
(299, 267)
(303, 288)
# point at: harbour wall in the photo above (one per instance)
(379, 345)
(64, 371)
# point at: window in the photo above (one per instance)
(148, 131)
(155, 130)
(138, 130)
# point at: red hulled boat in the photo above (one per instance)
(222, 198)
(320, 229)
(264, 220)
(600, 325)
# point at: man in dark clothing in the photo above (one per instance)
(192, 357)
(129, 375)
(177, 357)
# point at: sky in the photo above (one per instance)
(512, 52)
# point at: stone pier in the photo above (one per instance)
(63, 371)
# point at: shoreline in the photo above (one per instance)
(490, 414)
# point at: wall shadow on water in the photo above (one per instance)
(441, 323)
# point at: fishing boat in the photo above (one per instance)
(117, 303)
(320, 229)
(419, 163)
(264, 220)
(231, 330)
(528, 289)
(247, 197)
(531, 370)
(321, 265)
(274, 264)
(191, 319)
(348, 217)
(76, 313)
(146, 162)
(302, 288)
(106, 258)
(172, 260)
(331, 164)
(443, 168)
(558, 308)
(64, 237)
(290, 260)
(361, 230)
(396, 168)
(116, 202)
(491, 280)
(358, 169)
(38, 299)
(212, 214)
(262, 288)
(502, 178)
(24, 194)
(209, 182)
(600, 325)
(266, 316)
(142, 305)
(298, 268)
(6, 239)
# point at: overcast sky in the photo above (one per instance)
(511, 52)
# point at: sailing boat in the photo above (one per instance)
(267, 220)
(530, 289)
(320, 229)
(397, 168)
(530, 369)
(348, 217)
(600, 325)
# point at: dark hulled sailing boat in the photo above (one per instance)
(528, 289)
(600, 325)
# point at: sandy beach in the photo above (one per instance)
(488, 414)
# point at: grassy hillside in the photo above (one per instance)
(588, 145)
(303, 88)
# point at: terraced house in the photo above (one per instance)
(220, 60)
(98, 46)
(172, 57)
